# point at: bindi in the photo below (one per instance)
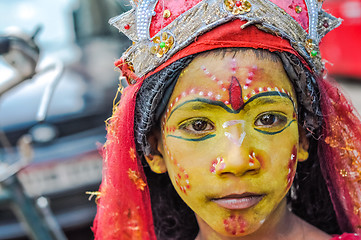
(235, 95)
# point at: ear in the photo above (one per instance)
(155, 158)
(303, 145)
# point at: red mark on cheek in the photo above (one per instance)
(182, 179)
(235, 225)
(235, 94)
(217, 165)
(292, 167)
(170, 129)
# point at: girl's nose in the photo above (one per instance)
(239, 158)
(239, 163)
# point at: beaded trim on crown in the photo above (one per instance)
(148, 52)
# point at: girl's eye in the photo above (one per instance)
(197, 126)
(270, 120)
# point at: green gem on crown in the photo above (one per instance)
(314, 53)
(162, 44)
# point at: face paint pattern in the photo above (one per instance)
(235, 140)
(252, 157)
(210, 95)
(266, 89)
(234, 66)
(234, 88)
(217, 165)
(292, 167)
(235, 225)
(250, 76)
(235, 94)
(170, 129)
(181, 176)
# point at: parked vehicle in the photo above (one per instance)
(66, 161)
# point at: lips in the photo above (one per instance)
(238, 201)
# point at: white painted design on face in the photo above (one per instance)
(232, 122)
(233, 139)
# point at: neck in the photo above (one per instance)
(282, 224)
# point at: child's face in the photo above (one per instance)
(230, 140)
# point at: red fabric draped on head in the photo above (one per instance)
(340, 155)
(231, 35)
(124, 210)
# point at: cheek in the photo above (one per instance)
(178, 173)
(235, 224)
(292, 167)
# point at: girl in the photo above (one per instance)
(225, 98)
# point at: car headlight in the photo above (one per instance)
(43, 133)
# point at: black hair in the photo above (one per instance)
(308, 197)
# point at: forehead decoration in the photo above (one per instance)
(159, 28)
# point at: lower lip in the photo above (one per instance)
(238, 203)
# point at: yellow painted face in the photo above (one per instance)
(230, 140)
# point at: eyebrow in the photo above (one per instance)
(209, 104)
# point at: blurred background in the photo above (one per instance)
(55, 156)
(341, 48)
(77, 50)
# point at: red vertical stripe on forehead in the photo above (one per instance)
(235, 94)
